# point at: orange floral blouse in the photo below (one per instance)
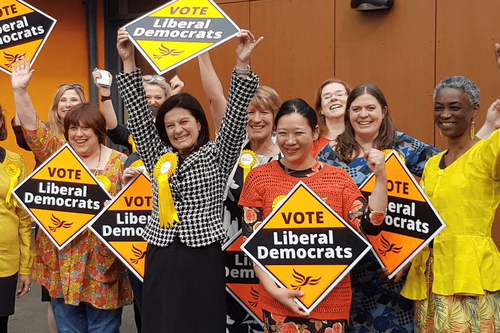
(84, 270)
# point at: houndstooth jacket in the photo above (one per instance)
(198, 184)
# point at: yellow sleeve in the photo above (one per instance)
(490, 155)
(26, 257)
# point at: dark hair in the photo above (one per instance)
(347, 146)
(300, 106)
(317, 105)
(3, 128)
(188, 102)
(87, 114)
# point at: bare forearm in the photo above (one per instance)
(25, 111)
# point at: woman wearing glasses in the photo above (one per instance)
(330, 109)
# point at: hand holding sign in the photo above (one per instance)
(125, 50)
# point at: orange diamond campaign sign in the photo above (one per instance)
(121, 224)
(179, 31)
(23, 31)
(411, 221)
(62, 196)
(305, 245)
(241, 282)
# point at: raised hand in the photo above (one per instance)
(103, 90)
(176, 85)
(21, 74)
(376, 161)
(125, 50)
(244, 48)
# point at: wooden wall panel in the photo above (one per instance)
(394, 50)
(466, 32)
(297, 53)
(223, 58)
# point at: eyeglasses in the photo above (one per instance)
(71, 86)
(153, 78)
(338, 93)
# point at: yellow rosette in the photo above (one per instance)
(388, 151)
(247, 161)
(277, 201)
(164, 168)
(104, 182)
(132, 143)
(13, 170)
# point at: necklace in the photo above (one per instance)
(98, 162)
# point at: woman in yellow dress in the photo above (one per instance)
(455, 282)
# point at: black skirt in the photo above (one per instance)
(8, 289)
(184, 289)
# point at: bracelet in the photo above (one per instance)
(240, 71)
(105, 98)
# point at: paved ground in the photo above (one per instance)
(31, 315)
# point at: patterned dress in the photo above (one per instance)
(84, 270)
(377, 306)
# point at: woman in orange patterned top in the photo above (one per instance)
(297, 128)
(88, 285)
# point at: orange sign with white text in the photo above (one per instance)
(62, 196)
(121, 224)
(305, 245)
(411, 221)
(23, 31)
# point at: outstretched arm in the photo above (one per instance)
(213, 89)
(493, 116)
(20, 79)
(108, 111)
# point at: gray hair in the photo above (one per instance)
(465, 85)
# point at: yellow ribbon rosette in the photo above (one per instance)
(132, 143)
(247, 161)
(164, 168)
(104, 182)
(277, 201)
(388, 151)
(13, 170)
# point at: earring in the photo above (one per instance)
(472, 131)
(441, 134)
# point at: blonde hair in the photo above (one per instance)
(266, 98)
(158, 80)
(55, 123)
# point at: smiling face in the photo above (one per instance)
(260, 123)
(453, 112)
(366, 115)
(295, 138)
(68, 100)
(333, 100)
(182, 129)
(155, 94)
(83, 139)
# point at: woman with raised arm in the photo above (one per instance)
(455, 280)
(87, 283)
(16, 258)
(297, 128)
(184, 283)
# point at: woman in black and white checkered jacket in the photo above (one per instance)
(184, 277)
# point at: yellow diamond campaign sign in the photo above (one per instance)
(62, 196)
(305, 245)
(121, 224)
(241, 282)
(411, 221)
(179, 31)
(23, 31)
